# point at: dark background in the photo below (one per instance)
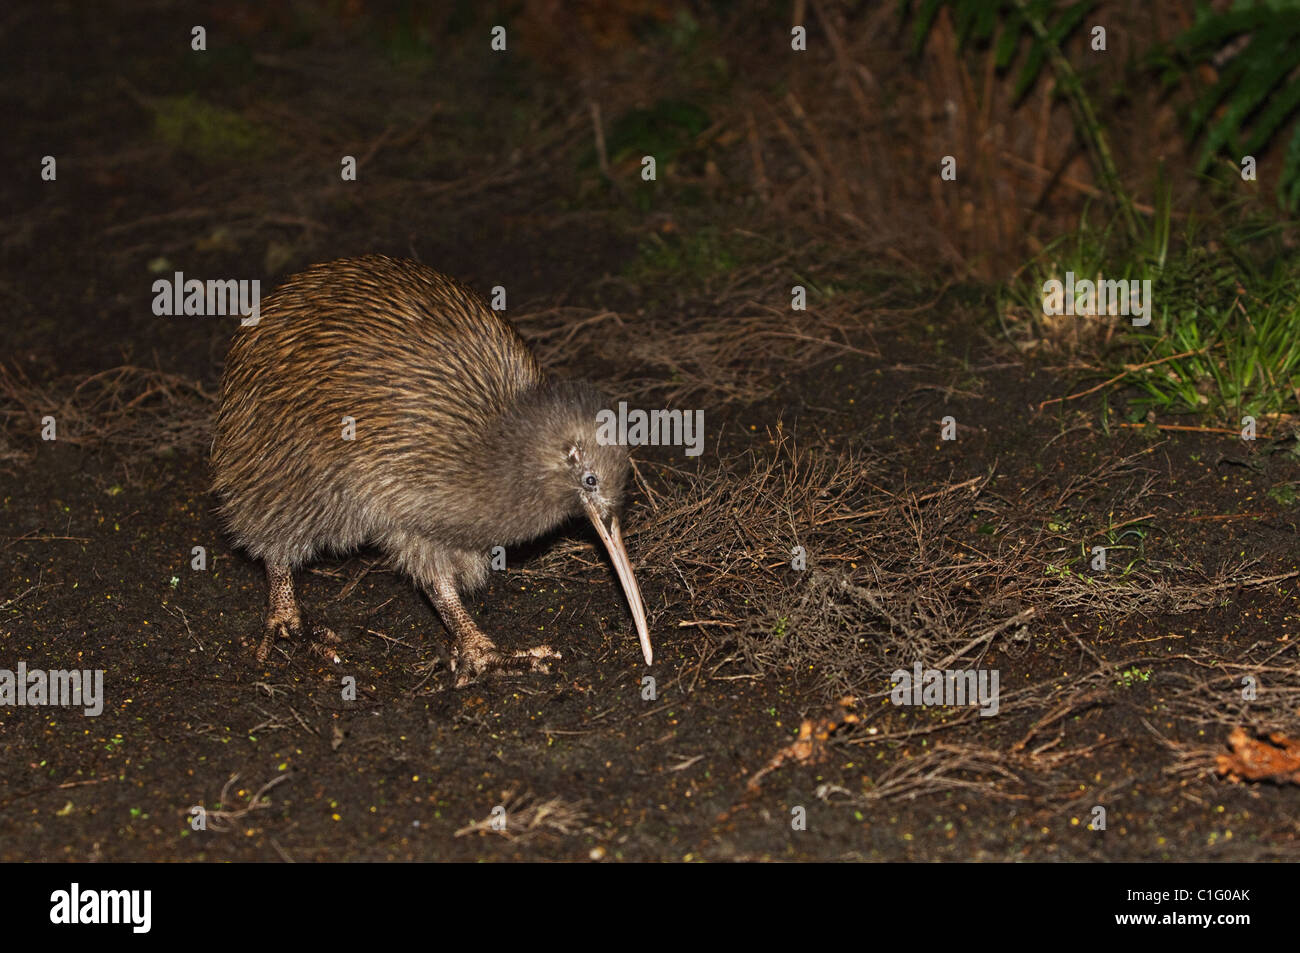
(775, 168)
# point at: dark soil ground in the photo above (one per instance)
(1119, 689)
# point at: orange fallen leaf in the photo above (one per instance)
(809, 746)
(1276, 758)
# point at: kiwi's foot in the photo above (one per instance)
(321, 641)
(471, 659)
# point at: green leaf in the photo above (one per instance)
(1263, 72)
(1212, 33)
(1005, 50)
(925, 17)
(1278, 110)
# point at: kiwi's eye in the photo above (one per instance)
(589, 480)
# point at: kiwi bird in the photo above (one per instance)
(380, 402)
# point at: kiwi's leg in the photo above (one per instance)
(284, 618)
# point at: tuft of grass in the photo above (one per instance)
(693, 257)
(669, 131)
(1254, 98)
(1238, 356)
(1089, 252)
(1132, 677)
(1224, 335)
(1283, 494)
(665, 131)
(206, 130)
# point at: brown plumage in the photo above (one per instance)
(461, 443)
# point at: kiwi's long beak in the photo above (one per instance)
(613, 540)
